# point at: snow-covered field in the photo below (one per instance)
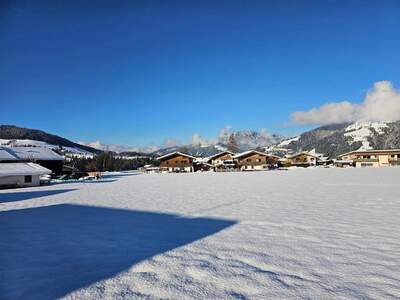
(312, 234)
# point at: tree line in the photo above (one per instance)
(107, 161)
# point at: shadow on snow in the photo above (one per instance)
(20, 196)
(48, 252)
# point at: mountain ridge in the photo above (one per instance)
(333, 140)
(329, 140)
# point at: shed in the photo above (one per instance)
(20, 174)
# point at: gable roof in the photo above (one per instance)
(303, 153)
(6, 155)
(34, 153)
(221, 153)
(370, 151)
(175, 153)
(246, 153)
(18, 168)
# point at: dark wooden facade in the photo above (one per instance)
(256, 161)
(176, 162)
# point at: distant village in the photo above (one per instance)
(32, 166)
(253, 160)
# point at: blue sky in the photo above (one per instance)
(137, 73)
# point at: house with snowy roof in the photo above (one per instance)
(303, 159)
(21, 174)
(176, 162)
(39, 155)
(372, 158)
(253, 160)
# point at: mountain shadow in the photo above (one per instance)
(49, 252)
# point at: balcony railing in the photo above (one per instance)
(394, 159)
(366, 159)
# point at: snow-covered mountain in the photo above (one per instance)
(330, 140)
(245, 140)
(333, 140)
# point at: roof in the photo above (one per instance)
(221, 153)
(250, 152)
(370, 151)
(5, 154)
(303, 153)
(175, 153)
(30, 153)
(19, 168)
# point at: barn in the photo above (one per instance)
(40, 155)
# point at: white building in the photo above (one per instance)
(19, 174)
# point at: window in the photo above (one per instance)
(28, 179)
(364, 165)
(248, 160)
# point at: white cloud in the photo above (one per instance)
(382, 103)
(171, 142)
(225, 132)
(265, 133)
(198, 140)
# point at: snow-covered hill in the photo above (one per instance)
(34, 137)
(66, 151)
(333, 140)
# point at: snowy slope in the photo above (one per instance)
(303, 234)
(11, 132)
(332, 140)
(67, 151)
(362, 131)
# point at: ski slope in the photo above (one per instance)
(298, 234)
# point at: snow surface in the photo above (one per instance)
(360, 131)
(69, 151)
(16, 169)
(304, 234)
(288, 141)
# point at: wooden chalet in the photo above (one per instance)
(255, 160)
(373, 158)
(303, 159)
(223, 161)
(176, 162)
